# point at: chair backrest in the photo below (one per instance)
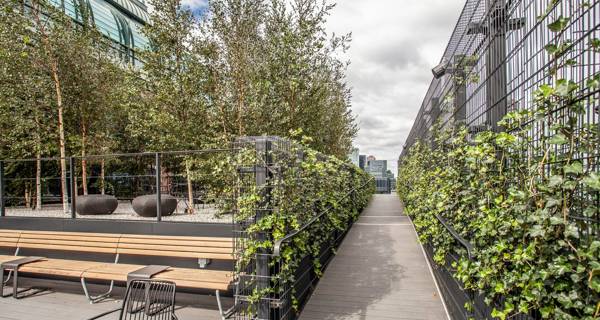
(149, 299)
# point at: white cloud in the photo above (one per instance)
(395, 45)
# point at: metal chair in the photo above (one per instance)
(147, 300)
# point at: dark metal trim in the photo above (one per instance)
(158, 185)
(2, 207)
(456, 236)
(290, 236)
(118, 226)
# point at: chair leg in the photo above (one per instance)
(98, 298)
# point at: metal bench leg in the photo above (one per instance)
(2, 282)
(16, 293)
(98, 298)
(227, 313)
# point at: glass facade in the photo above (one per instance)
(119, 20)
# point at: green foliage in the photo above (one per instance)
(306, 184)
(528, 206)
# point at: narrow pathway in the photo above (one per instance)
(380, 272)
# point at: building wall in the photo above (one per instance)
(377, 168)
(119, 20)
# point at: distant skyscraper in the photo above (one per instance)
(354, 157)
(377, 168)
(362, 161)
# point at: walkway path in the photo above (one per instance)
(380, 272)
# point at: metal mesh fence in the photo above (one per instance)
(496, 58)
(270, 166)
(194, 186)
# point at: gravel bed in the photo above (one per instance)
(204, 213)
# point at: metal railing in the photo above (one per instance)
(287, 238)
(192, 178)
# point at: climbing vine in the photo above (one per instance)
(302, 184)
(526, 199)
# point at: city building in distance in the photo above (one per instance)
(362, 161)
(384, 178)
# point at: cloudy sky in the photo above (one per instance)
(395, 44)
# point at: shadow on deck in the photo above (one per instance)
(65, 301)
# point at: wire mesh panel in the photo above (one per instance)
(500, 53)
(274, 182)
(192, 186)
(497, 54)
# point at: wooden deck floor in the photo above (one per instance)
(380, 272)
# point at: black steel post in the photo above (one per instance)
(2, 208)
(73, 188)
(263, 148)
(495, 64)
(459, 82)
(158, 183)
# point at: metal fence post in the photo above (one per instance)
(158, 184)
(263, 148)
(73, 187)
(2, 208)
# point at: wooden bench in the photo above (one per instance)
(202, 249)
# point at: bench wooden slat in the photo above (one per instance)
(175, 254)
(153, 247)
(8, 243)
(6, 258)
(191, 278)
(180, 238)
(59, 267)
(9, 238)
(54, 242)
(71, 233)
(74, 247)
(68, 237)
(199, 243)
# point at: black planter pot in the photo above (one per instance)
(145, 206)
(96, 204)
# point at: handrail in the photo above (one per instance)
(289, 236)
(456, 236)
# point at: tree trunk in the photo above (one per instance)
(61, 134)
(53, 66)
(38, 165)
(83, 159)
(27, 196)
(38, 181)
(190, 188)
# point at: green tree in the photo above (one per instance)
(173, 114)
